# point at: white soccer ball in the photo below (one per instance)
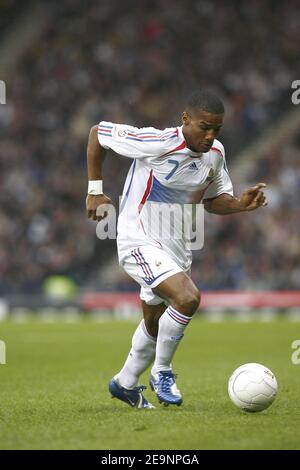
(252, 387)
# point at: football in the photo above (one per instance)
(252, 387)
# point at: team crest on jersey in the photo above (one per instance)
(211, 174)
(121, 132)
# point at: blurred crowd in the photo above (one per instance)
(9, 12)
(136, 62)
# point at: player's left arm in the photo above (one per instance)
(251, 199)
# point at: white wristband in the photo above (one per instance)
(95, 187)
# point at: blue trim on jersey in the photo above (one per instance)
(108, 134)
(161, 193)
(158, 133)
(159, 139)
(128, 189)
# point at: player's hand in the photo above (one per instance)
(253, 198)
(93, 202)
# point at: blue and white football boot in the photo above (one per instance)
(164, 385)
(131, 396)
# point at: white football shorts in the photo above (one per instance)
(149, 266)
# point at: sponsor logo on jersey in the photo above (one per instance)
(193, 166)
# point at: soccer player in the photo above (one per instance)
(167, 164)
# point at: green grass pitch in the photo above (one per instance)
(53, 389)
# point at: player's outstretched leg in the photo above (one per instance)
(184, 298)
(124, 385)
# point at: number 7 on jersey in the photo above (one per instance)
(175, 163)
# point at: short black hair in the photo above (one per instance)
(205, 100)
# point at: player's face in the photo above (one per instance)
(200, 129)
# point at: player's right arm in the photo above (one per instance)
(126, 140)
(95, 159)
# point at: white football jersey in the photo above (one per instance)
(163, 173)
